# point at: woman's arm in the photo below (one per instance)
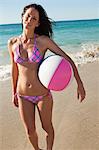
(51, 45)
(14, 69)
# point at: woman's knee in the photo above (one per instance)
(47, 127)
(30, 131)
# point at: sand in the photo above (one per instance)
(76, 124)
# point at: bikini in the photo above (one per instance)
(33, 99)
(35, 57)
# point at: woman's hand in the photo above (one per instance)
(15, 100)
(81, 92)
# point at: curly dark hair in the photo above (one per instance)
(45, 27)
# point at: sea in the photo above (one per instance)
(77, 38)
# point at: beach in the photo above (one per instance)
(76, 124)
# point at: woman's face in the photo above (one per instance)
(31, 18)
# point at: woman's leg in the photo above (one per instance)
(27, 113)
(45, 112)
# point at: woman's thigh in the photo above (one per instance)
(27, 112)
(45, 107)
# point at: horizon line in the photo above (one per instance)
(57, 21)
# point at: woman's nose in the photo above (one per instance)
(29, 19)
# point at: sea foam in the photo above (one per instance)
(5, 72)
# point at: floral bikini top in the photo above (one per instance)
(35, 57)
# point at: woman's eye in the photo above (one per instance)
(33, 18)
(28, 16)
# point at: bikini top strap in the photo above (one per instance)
(20, 36)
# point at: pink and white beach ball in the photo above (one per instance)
(55, 73)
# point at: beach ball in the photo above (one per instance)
(55, 73)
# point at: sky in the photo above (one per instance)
(10, 10)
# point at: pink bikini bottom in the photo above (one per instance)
(34, 99)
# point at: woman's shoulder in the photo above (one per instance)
(43, 38)
(13, 40)
(43, 41)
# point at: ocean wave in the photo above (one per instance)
(89, 53)
(5, 72)
(85, 53)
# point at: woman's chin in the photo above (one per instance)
(26, 26)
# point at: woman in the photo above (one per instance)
(26, 52)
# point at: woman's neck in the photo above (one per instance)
(28, 34)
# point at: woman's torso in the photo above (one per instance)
(28, 82)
